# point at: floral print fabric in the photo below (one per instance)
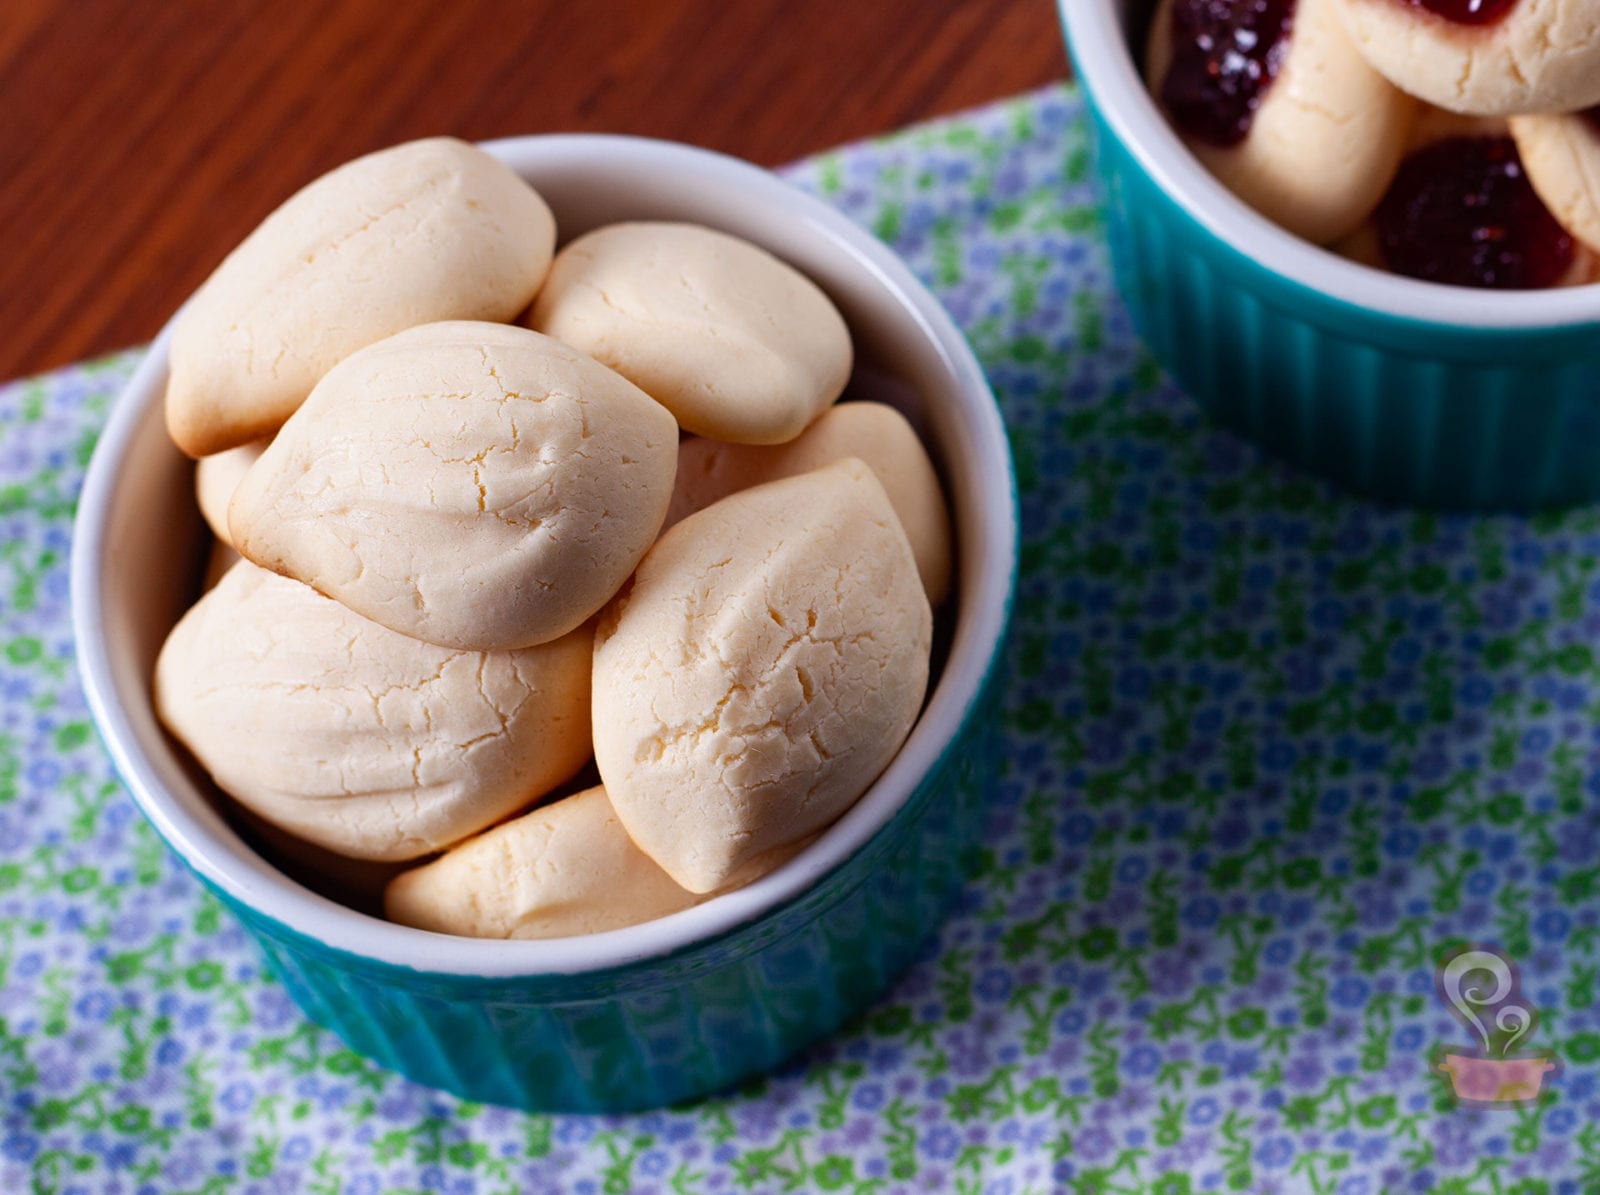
(1271, 752)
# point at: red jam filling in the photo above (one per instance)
(1462, 212)
(1466, 12)
(1225, 54)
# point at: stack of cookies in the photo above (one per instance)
(1454, 141)
(485, 512)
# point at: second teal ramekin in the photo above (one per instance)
(1402, 390)
(693, 1002)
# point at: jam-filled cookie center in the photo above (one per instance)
(1462, 212)
(1466, 12)
(1225, 55)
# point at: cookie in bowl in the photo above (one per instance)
(1405, 389)
(712, 987)
(1277, 102)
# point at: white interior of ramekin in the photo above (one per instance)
(132, 566)
(1097, 31)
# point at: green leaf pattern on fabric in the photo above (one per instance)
(1271, 751)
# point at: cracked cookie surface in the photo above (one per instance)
(765, 666)
(877, 434)
(474, 485)
(358, 739)
(563, 869)
(216, 477)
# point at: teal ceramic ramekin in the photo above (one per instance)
(1404, 390)
(694, 1002)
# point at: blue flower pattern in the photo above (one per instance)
(1271, 751)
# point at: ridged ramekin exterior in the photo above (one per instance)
(1498, 419)
(683, 1025)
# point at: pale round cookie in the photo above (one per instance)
(1562, 157)
(365, 742)
(1543, 56)
(216, 477)
(710, 470)
(563, 869)
(430, 230)
(1326, 138)
(765, 666)
(735, 343)
(566, 868)
(474, 485)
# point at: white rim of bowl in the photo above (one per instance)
(973, 651)
(1107, 70)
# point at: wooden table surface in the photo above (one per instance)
(141, 139)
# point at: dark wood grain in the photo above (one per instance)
(141, 140)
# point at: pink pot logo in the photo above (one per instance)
(1480, 986)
